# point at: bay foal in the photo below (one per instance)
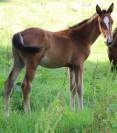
(66, 48)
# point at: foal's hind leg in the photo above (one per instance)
(10, 82)
(26, 86)
(72, 88)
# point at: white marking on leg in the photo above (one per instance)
(80, 102)
(27, 108)
(72, 99)
(6, 110)
(80, 94)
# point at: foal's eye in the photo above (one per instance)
(101, 23)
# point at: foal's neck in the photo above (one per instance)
(94, 31)
(87, 33)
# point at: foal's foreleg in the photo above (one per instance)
(79, 82)
(26, 87)
(9, 85)
(72, 88)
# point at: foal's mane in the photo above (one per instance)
(79, 24)
(82, 22)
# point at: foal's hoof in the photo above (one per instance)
(80, 109)
(6, 113)
(27, 110)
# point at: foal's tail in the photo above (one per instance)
(18, 43)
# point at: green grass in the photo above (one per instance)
(50, 88)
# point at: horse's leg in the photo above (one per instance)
(114, 66)
(10, 82)
(79, 84)
(26, 86)
(113, 63)
(72, 88)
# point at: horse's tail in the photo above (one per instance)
(18, 43)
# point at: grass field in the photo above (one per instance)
(50, 88)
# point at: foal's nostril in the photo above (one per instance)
(109, 44)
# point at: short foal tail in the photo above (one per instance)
(18, 43)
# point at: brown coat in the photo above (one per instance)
(112, 51)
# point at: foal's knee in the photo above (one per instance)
(73, 91)
(80, 91)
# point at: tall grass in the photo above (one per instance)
(50, 88)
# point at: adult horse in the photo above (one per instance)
(66, 48)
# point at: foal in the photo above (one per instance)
(66, 48)
(112, 51)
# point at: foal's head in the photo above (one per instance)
(105, 23)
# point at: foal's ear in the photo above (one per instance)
(110, 9)
(98, 9)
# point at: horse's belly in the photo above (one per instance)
(52, 62)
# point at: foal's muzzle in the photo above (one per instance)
(109, 44)
(109, 41)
